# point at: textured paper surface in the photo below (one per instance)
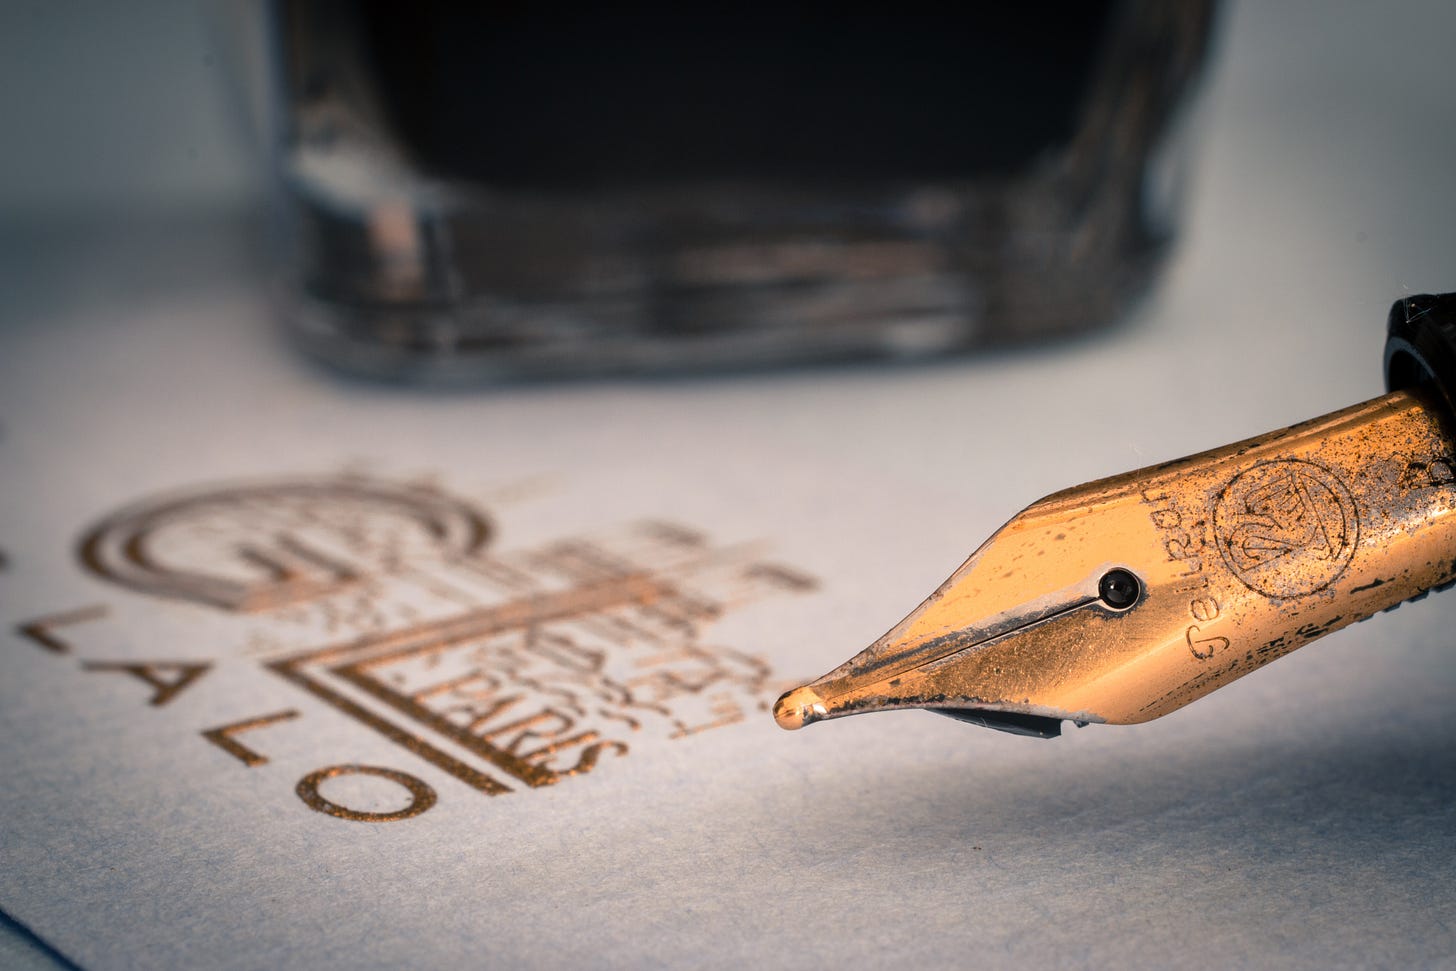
(1299, 818)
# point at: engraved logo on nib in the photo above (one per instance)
(1286, 528)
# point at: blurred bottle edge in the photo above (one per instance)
(386, 272)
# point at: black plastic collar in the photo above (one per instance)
(1420, 345)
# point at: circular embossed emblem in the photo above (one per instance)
(1286, 528)
(259, 546)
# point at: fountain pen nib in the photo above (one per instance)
(1125, 599)
(968, 651)
(799, 707)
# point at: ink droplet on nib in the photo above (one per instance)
(798, 707)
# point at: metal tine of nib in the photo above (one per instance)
(1125, 599)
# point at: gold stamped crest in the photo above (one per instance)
(505, 670)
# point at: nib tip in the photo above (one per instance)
(798, 707)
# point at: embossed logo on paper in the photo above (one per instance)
(1286, 528)
(256, 547)
(505, 670)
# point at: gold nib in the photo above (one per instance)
(798, 708)
(1123, 600)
